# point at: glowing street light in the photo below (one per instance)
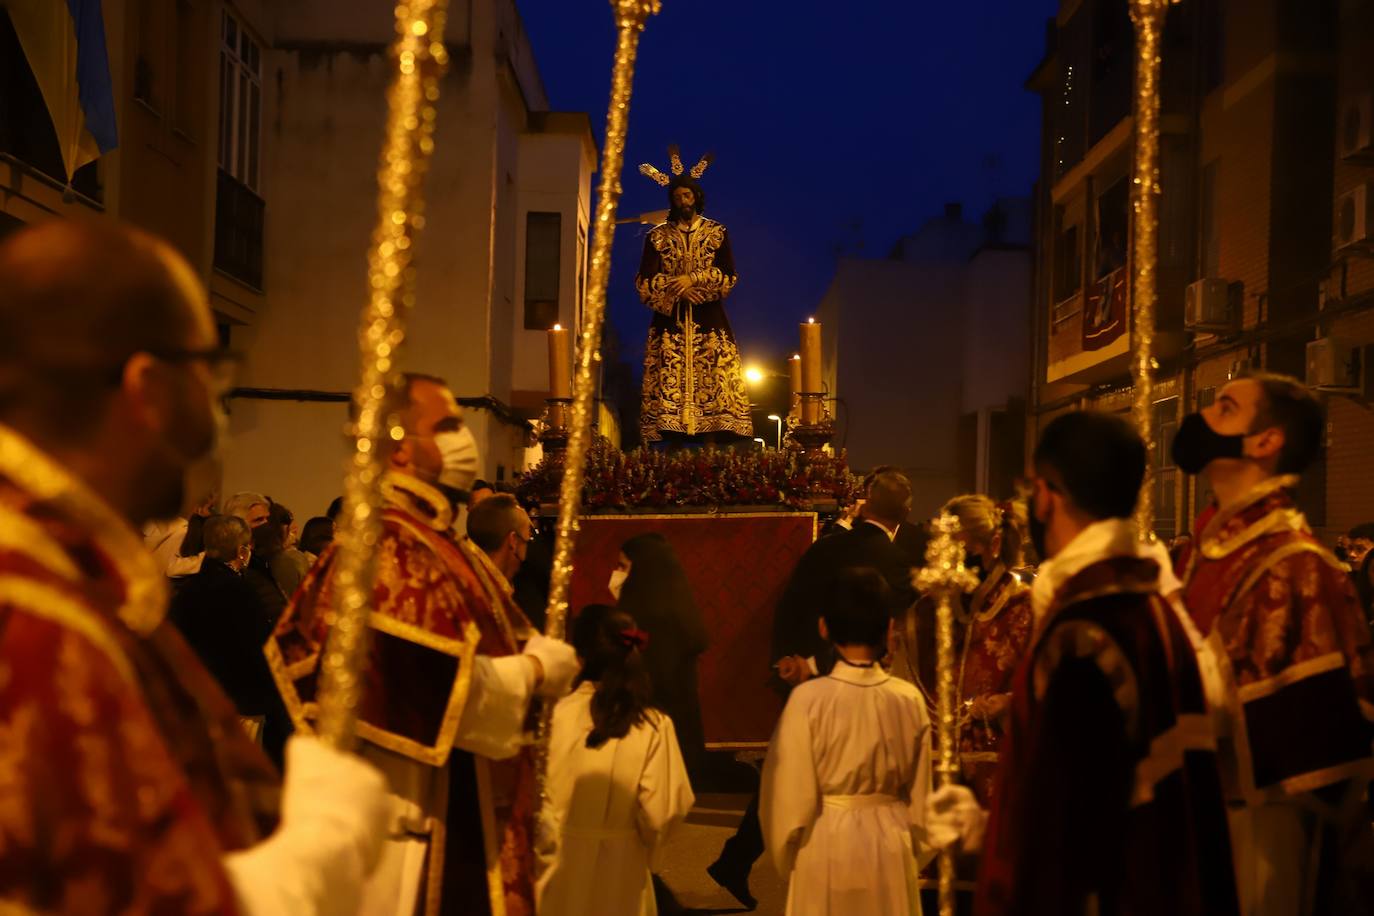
(753, 375)
(762, 444)
(778, 420)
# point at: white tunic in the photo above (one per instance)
(843, 796)
(611, 808)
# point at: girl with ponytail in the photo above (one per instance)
(616, 781)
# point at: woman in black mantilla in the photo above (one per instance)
(693, 378)
(656, 593)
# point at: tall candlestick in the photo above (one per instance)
(794, 366)
(560, 362)
(811, 370)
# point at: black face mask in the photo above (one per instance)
(1037, 532)
(1197, 445)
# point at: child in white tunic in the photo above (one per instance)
(616, 783)
(848, 770)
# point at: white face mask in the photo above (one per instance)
(617, 582)
(458, 449)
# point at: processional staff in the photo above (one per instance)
(945, 578)
(420, 59)
(1148, 19)
(630, 17)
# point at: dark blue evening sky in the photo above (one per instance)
(834, 124)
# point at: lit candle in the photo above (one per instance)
(794, 364)
(560, 362)
(811, 369)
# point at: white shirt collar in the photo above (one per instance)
(890, 532)
(862, 677)
(1112, 537)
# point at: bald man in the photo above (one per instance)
(128, 783)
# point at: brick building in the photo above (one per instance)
(1265, 240)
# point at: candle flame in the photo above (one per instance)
(810, 321)
(558, 327)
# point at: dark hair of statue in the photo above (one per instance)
(687, 181)
(858, 607)
(1288, 404)
(616, 667)
(1096, 459)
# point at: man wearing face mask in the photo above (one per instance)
(130, 786)
(1297, 668)
(1107, 797)
(452, 671)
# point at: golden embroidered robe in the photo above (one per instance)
(1297, 673)
(124, 773)
(693, 378)
(992, 632)
(439, 604)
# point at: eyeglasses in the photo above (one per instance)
(222, 362)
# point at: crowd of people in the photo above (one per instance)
(1136, 733)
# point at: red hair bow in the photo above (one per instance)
(634, 639)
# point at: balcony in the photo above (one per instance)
(1089, 334)
(238, 231)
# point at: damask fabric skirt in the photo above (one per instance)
(693, 377)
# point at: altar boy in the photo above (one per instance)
(848, 770)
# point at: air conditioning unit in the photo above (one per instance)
(1357, 127)
(1333, 363)
(1207, 306)
(1352, 218)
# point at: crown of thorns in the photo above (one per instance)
(675, 164)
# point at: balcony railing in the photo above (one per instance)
(239, 217)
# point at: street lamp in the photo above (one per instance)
(753, 375)
(778, 420)
(762, 444)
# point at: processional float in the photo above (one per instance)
(420, 58)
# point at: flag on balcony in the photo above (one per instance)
(64, 41)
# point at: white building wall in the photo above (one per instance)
(325, 85)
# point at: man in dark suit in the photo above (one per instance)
(222, 618)
(798, 648)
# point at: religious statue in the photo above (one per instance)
(693, 379)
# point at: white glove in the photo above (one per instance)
(953, 816)
(559, 661)
(333, 823)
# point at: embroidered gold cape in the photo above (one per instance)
(438, 603)
(125, 775)
(693, 378)
(1284, 620)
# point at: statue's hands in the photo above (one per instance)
(696, 295)
(679, 285)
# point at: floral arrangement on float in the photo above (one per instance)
(616, 481)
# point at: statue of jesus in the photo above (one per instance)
(693, 380)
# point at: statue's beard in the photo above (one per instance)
(683, 214)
